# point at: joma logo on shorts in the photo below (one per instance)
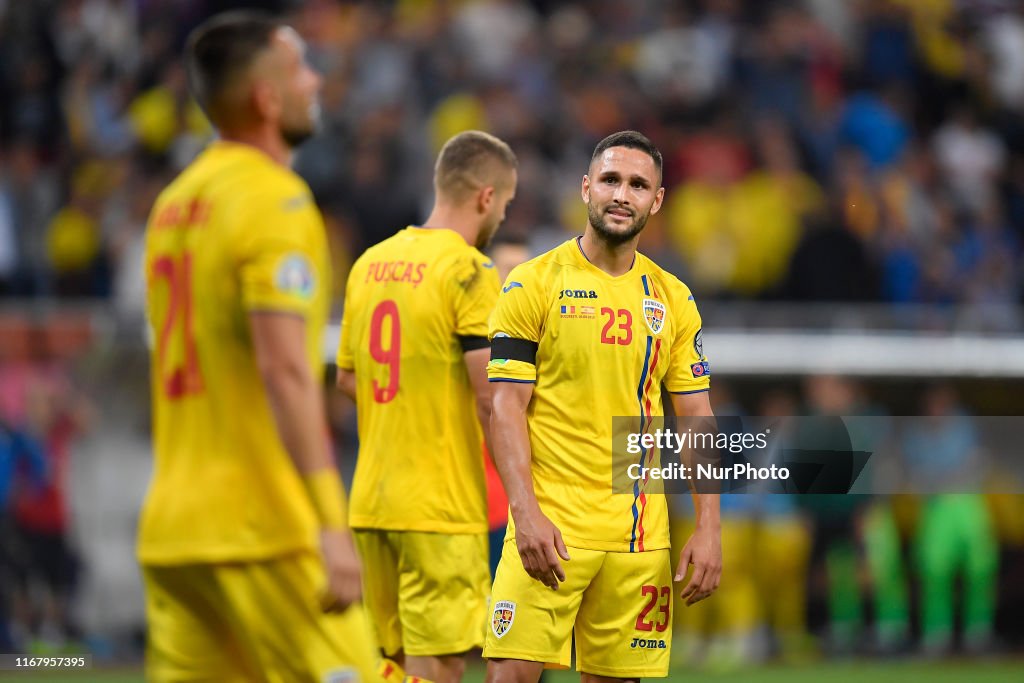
(577, 294)
(648, 644)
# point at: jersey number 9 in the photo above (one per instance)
(386, 310)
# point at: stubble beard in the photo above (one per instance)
(612, 237)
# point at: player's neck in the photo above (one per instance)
(266, 140)
(454, 219)
(614, 259)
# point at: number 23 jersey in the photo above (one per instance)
(603, 347)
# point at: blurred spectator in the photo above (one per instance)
(22, 467)
(971, 157)
(829, 264)
(783, 548)
(872, 123)
(955, 536)
(685, 61)
(1004, 38)
(492, 32)
(781, 200)
(835, 547)
(166, 121)
(887, 44)
(985, 255)
(28, 196)
(777, 65)
(74, 241)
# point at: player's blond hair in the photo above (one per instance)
(470, 161)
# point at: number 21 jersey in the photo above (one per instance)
(411, 305)
(235, 233)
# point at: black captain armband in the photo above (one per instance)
(471, 343)
(507, 348)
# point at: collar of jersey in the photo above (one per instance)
(222, 145)
(577, 249)
(420, 230)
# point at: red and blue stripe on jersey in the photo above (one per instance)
(643, 396)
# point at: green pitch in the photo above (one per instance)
(942, 672)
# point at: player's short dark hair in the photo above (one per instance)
(631, 140)
(471, 160)
(219, 51)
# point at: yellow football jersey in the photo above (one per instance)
(234, 233)
(411, 303)
(603, 347)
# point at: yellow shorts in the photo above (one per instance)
(619, 605)
(426, 592)
(252, 621)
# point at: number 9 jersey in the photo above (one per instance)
(413, 305)
(234, 233)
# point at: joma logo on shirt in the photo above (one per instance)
(577, 294)
(648, 644)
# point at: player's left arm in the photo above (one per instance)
(688, 380)
(346, 383)
(280, 277)
(704, 549)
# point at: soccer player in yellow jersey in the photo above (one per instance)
(413, 354)
(591, 330)
(249, 566)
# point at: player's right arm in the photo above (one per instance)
(537, 538)
(515, 331)
(345, 380)
(476, 365)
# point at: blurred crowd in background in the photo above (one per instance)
(815, 151)
(869, 150)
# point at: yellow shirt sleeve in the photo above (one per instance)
(345, 359)
(474, 287)
(518, 316)
(278, 258)
(688, 370)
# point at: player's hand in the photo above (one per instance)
(344, 571)
(540, 546)
(704, 552)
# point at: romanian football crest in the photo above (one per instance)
(654, 314)
(504, 614)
